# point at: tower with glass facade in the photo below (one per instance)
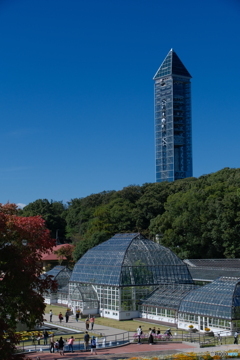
(173, 123)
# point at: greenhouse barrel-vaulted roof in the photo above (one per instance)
(130, 260)
(212, 269)
(220, 299)
(168, 296)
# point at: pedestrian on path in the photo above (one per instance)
(50, 315)
(92, 319)
(52, 344)
(93, 346)
(87, 323)
(70, 343)
(60, 317)
(86, 340)
(77, 316)
(150, 337)
(67, 316)
(61, 346)
(236, 338)
(139, 333)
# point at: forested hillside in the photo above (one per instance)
(195, 217)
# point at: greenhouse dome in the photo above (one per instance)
(130, 260)
(122, 271)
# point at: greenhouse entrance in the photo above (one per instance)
(203, 322)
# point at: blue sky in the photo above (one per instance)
(76, 91)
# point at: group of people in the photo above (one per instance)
(67, 314)
(58, 345)
(93, 343)
(89, 321)
(151, 332)
(60, 316)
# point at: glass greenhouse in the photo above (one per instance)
(163, 303)
(214, 306)
(62, 275)
(130, 276)
(122, 271)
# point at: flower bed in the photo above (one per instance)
(193, 356)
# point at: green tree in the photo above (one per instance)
(53, 214)
(203, 221)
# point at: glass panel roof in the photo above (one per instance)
(171, 65)
(84, 292)
(128, 260)
(217, 299)
(212, 269)
(210, 274)
(168, 296)
(61, 274)
(56, 270)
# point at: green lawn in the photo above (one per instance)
(56, 309)
(127, 325)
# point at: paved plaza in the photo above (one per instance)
(121, 352)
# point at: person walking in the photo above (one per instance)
(61, 346)
(50, 315)
(87, 323)
(86, 340)
(70, 343)
(67, 316)
(77, 316)
(139, 333)
(92, 319)
(60, 317)
(52, 344)
(150, 337)
(236, 338)
(93, 345)
(45, 337)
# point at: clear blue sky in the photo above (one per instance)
(76, 91)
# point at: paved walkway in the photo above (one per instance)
(122, 352)
(132, 350)
(73, 325)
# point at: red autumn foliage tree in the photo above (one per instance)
(21, 286)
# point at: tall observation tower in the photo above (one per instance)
(173, 123)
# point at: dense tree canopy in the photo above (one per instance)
(22, 240)
(53, 214)
(194, 217)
